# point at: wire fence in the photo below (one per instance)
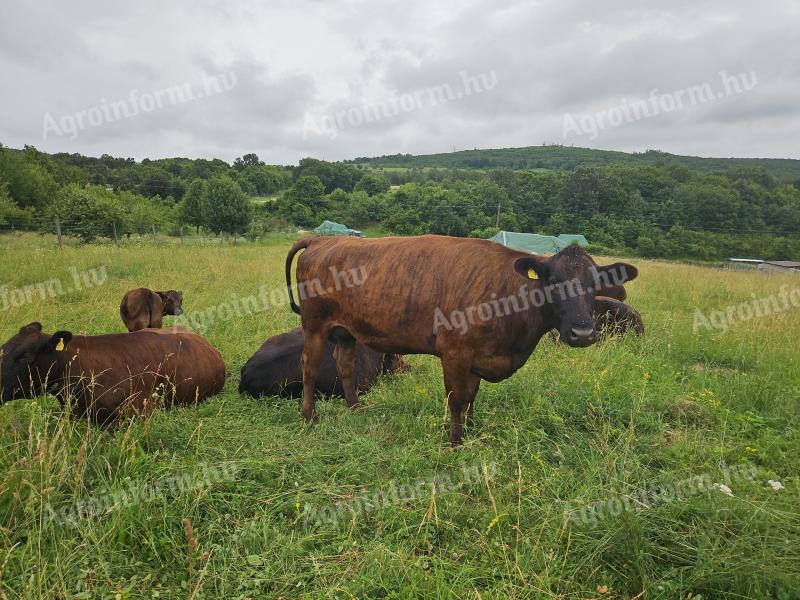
(73, 232)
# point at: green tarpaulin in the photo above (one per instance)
(331, 228)
(530, 242)
(571, 238)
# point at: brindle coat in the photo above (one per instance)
(408, 285)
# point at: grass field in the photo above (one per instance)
(573, 428)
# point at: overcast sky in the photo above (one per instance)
(325, 78)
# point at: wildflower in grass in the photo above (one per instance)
(492, 523)
(706, 397)
(750, 449)
(724, 489)
(776, 485)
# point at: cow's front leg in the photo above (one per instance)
(345, 356)
(313, 351)
(461, 389)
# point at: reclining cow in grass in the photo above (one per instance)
(480, 307)
(108, 376)
(274, 370)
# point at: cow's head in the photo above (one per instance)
(394, 363)
(27, 359)
(569, 281)
(173, 302)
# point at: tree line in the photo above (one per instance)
(557, 156)
(666, 210)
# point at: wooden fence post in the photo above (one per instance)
(154, 232)
(181, 235)
(58, 234)
(116, 240)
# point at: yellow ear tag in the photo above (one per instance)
(532, 274)
(60, 345)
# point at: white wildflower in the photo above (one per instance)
(776, 485)
(724, 489)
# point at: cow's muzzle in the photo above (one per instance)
(580, 337)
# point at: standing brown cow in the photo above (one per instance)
(479, 306)
(143, 308)
(108, 376)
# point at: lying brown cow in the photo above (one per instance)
(275, 369)
(614, 316)
(107, 376)
(142, 308)
(479, 306)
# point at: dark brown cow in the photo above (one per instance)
(479, 306)
(275, 369)
(613, 316)
(107, 376)
(143, 308)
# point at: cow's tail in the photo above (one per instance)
(298, 245)
(151, 306)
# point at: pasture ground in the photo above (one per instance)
(574, 427)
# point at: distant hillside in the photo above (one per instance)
(568, 158)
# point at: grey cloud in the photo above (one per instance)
(294, 59)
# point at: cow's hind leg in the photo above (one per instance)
(313, 352)
(345, 356)
(461, 387)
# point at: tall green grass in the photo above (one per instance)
(573, 427)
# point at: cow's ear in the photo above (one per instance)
(34, 327)
(615, 274)
(532, 268)
(58, 341)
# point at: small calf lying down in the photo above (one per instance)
(142, 308)
(110, 376)
(275, 369)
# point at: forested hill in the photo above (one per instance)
(568, 158)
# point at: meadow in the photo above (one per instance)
(374, 503)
